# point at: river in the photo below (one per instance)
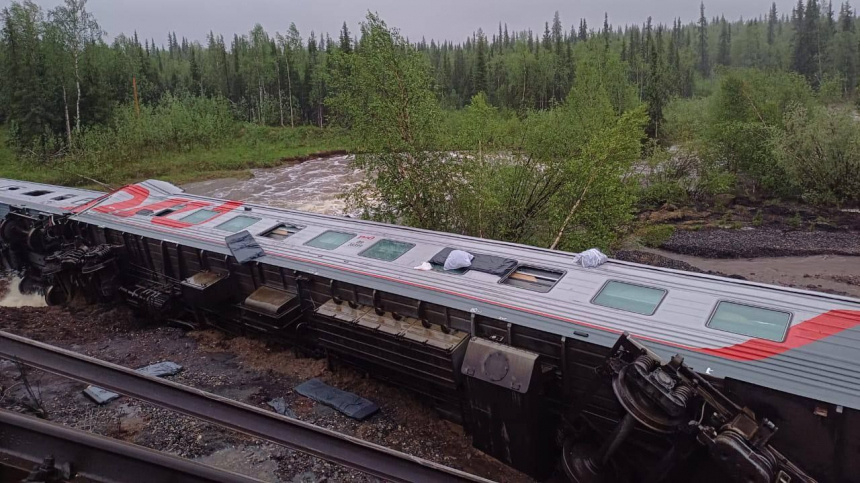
(314, 185)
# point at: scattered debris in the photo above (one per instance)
(161, 369)
(279, 404)
(348, 403)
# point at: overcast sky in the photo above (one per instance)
(439, 19)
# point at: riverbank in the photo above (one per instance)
(776, 243)
(252, 147)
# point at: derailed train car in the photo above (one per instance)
(618, 373)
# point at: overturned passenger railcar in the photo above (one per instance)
(618, 373)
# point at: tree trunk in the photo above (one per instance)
(280, 94)
(573, 211)
(78, 103)
(290, 93)
(260, 107)
(68, 120)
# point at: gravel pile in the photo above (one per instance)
(751, 243)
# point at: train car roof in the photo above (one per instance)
(797, 341)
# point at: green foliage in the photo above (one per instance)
(557, 177)
(820, 149)
(685, 120)
(744, 117)
(181, 139)
(655, 235)
(175, 124)
(758, 219)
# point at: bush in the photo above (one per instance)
(820, 150)
(174, 124)
(745, 117)
(655, 235)
(684, 120)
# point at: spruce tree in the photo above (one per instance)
(704, 62)
(725, 48)
(480, 77)
(772, 22)
(345, 40)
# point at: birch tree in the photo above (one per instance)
(77, 28)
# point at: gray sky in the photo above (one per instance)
(439, 19)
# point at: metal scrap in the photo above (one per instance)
(160, 369)
(348, 403)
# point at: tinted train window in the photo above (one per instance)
(533, 278)
(330, 240)
(199, 216)
(281, 232)
(752, 321)
(238, 223)
(387, 250)
(629, 297)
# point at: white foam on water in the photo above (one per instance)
(315, 185)
(14, 297)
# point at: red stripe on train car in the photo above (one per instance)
(809, 331)
(139, 194)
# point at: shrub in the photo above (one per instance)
(820, 150)
(655, 235)
(174, 124)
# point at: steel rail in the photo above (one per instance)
(329, 445)
(25, 441)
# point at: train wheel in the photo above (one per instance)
(55, 296)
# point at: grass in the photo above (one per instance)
(252, 147)
(654, 236)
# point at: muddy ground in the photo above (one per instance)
(239, 368)
(783, 244)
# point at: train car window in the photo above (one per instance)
(163, 212)
(237, 223)
(38, 193)
(330, 240)
(755, 322)
(199, 216)
(281, 232)
(63, 197)
(387, 250)
(533, 278)
(630, 297)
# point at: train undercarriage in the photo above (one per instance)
(544, 404)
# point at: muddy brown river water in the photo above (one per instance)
(314, 185)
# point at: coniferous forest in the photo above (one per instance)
(568, 126)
